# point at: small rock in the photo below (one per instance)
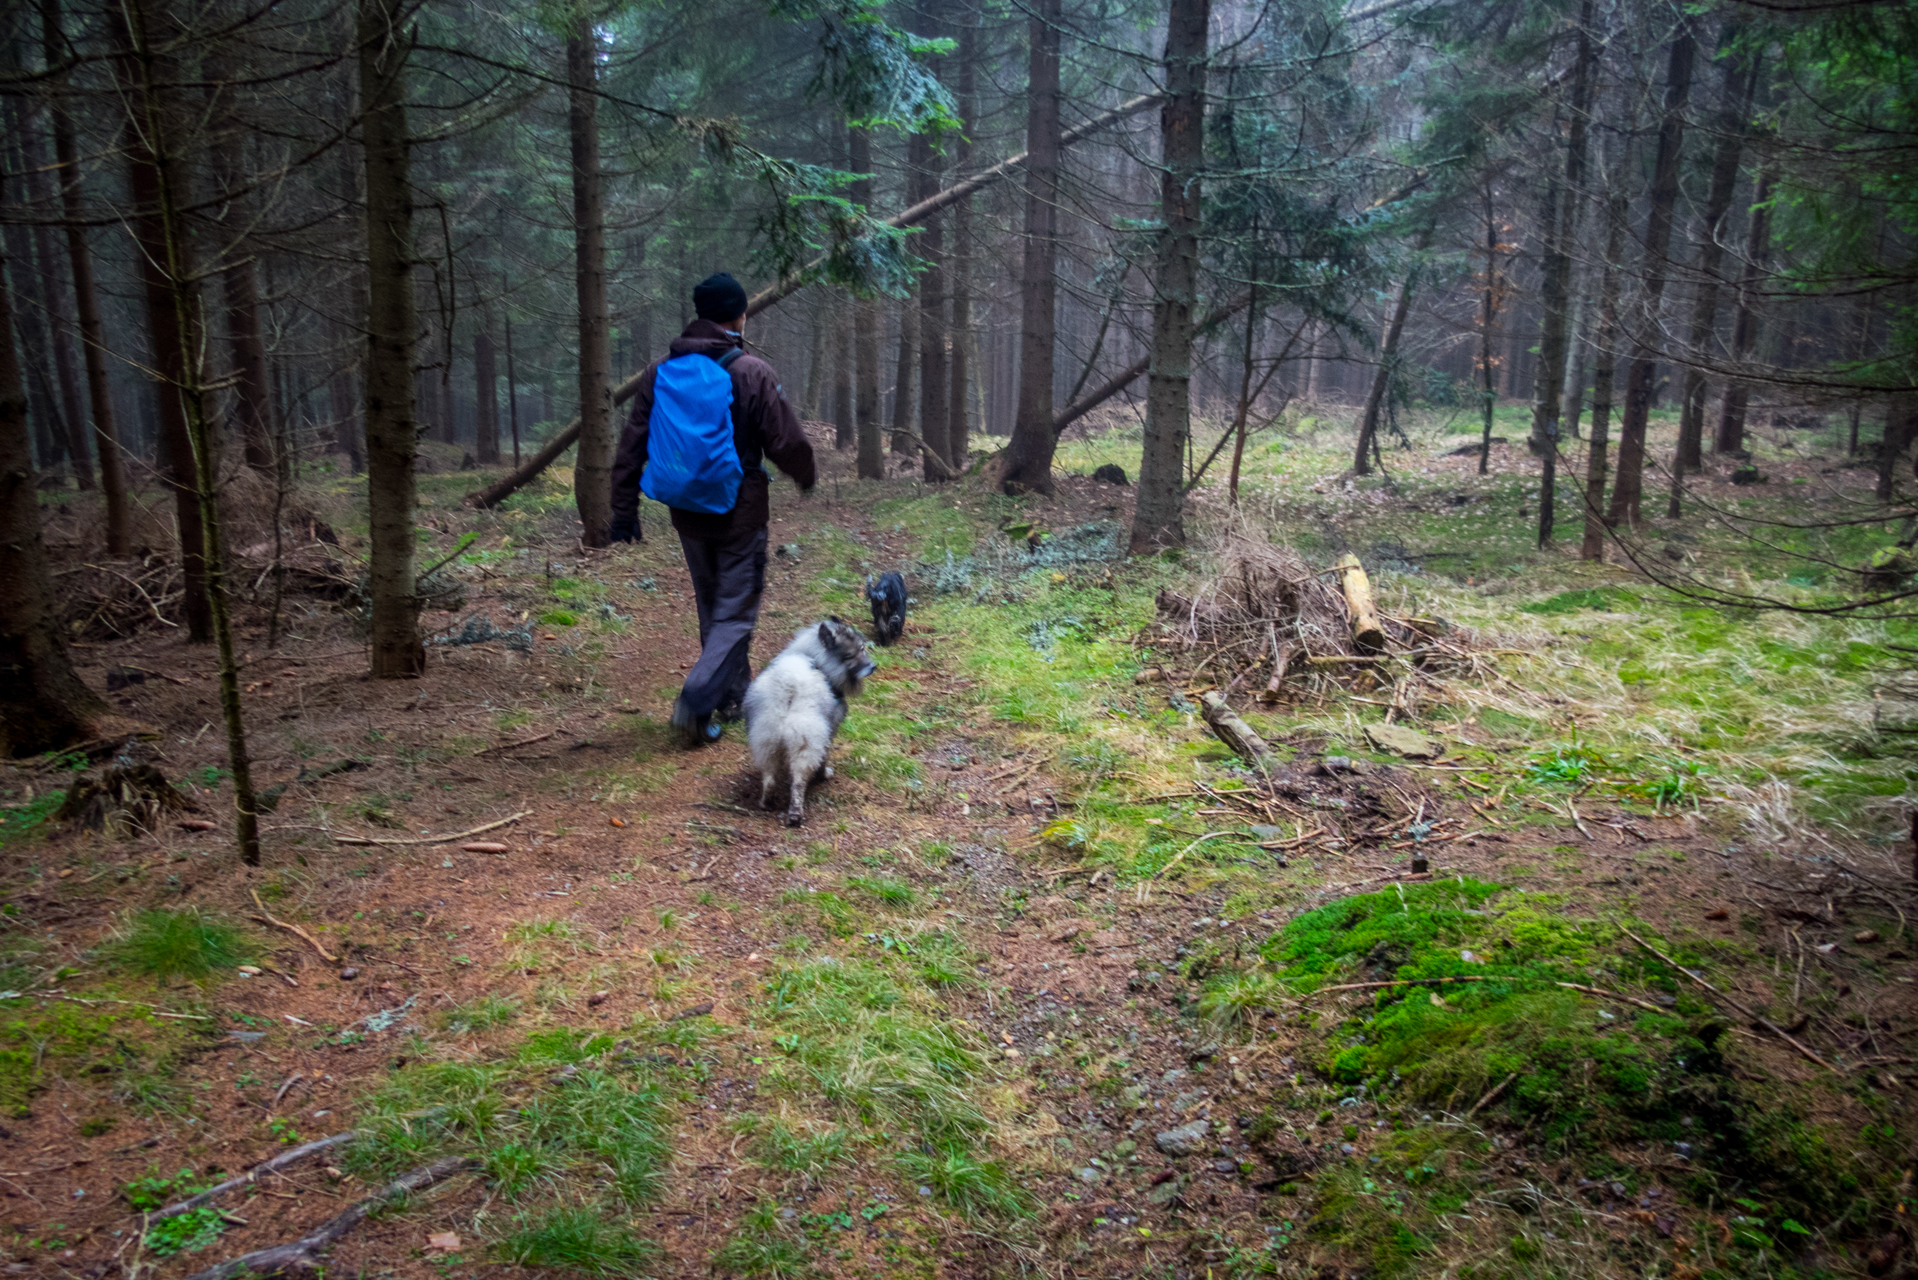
(444, 1241)
(696, 1011)
(788, 550)
(1825, 949)
(1225, 1166)
(1188, 1100)
(1664, 1226)
(251, 970)
(1865, 935)
(349, 973)
(1347, 1149)
(1186, 1140)
(598, 998)
(1132, 1097)
(1110, 473)
(1066, 930)
(1089, 1175)
(1401, 741)
(1173, 1076)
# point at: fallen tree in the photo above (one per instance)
(506, 486)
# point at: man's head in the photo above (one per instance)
(721, 299)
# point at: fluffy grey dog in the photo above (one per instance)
(797, 704)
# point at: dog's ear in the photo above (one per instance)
(829, 637)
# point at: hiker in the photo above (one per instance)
(702, 420)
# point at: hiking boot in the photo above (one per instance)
(694, 731)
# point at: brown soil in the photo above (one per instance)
(424, 927)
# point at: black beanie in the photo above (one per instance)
(719, 297)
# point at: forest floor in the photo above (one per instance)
(1031, 990)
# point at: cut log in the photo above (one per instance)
(1368, 633)
(1236, 733)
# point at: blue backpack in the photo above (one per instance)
(691, 463)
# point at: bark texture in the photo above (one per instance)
(1628, 491)
(392, 432)
(1028, 463)
(1158, 515)
(44, 705)
(593, 467)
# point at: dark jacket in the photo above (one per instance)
(764, 426)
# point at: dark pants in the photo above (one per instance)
(728, 576)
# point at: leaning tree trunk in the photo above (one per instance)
(1028, 461)
(113, 488)
(157, 131)
(1559, 217)
(1604, 376)
(44, 705)
(1158, 516)
(867, 437)
(593, 466)
(392, 433)
(1739, 88)
(142, 71)
(1629, 489)
(1730, 435)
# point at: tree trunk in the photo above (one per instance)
(512, 389)
(173, 269)
(1558, 217)
(869, 440)
(1245, 377)
(1629, 489)
(1158, 517)
(902, 397)
(392, 434)
(44, 705)
(252, 397)
(593, 466)
(141, 71)
(1488, 314)
(66, 377)
(1028, 462)
(1388, 362)
(1739, 89)
(1730, 436)
(933, 369)
(86, 299)
(1604, 375)
(958, 435)
(486, 395)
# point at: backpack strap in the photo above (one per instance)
(732, 354)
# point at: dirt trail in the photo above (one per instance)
(644, 886)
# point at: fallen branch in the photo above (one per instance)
(445, 839)
(523, 742)
(252, 1175)
(1766, 1023)
(1234, 732)
(155, 1010)
(1497, 1089)
(295, 929)
(301, 1254)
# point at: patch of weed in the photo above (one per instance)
(177, 943)
(481, 1013)
(578, 1239)
(763, 1245)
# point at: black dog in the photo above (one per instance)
(888, 599)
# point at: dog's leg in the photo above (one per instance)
(796, 812)
(767, 781)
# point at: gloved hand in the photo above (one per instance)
(625, 529)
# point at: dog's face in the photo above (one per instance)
(847, 648)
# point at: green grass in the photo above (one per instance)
(481, 1013)
(566, 1107)
(763, 1245)
(577, 1239)
(167, 943)
(21, 823)
(806, 1149)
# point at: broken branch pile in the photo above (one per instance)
(1267, 612)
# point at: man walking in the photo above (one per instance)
(703, 420)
